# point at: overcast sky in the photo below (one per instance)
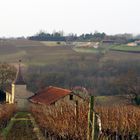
(26, 17)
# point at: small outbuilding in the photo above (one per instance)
(55, 96)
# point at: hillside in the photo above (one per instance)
(40, 53)
(62, 66)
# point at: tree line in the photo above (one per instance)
(109, 78)
(96, 36)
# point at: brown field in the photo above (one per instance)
(119, 56)
(38, 53)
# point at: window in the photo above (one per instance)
(71, 97)
(53, 103)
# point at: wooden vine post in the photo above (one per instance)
(91, 120)
(76, 113)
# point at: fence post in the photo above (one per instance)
(45, 133)
(93, 126)
(76, 113)
(90, 129)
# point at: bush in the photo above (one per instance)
(58, 43)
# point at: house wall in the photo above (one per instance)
(132, 44)
(61, 104)
(19, 91)
(67, 99)
(9, 98)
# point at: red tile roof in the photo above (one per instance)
(50, 95)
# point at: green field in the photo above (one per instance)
(88, 50)
(111, 100)
(125, 48)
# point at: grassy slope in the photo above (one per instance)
(112, 100)
(125, 48)
(86, 50)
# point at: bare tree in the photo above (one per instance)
(129, 84)
(7, 74)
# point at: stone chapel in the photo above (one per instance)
(18, 92)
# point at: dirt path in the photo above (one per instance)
(22, 127)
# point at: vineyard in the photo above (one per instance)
(69, 122)
(61, 123)
(120, 121)
(65, 123)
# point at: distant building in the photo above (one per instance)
(55, 96)
(18, 92)
(138, 42)
(132, 44)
